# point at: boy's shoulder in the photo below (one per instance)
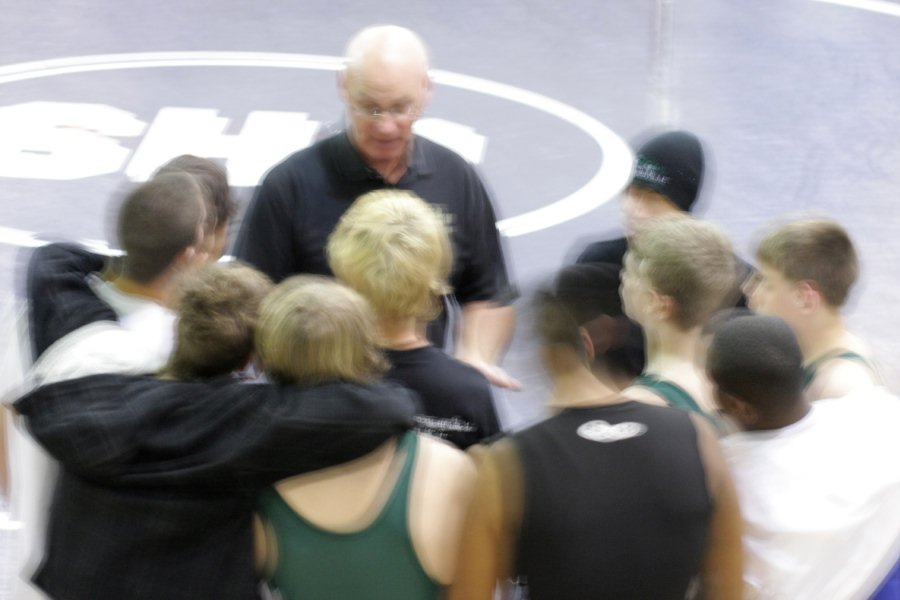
(840, 370)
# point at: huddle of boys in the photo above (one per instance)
(171, 481)
(801, 395)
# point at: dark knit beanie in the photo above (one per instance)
(672, 165)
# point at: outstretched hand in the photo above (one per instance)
(496, 375)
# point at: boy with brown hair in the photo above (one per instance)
(220, 204)
(807, 268)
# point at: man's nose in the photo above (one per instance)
(386, 124)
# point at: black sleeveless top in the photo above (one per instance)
(615, 504)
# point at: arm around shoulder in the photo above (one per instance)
(59, 295)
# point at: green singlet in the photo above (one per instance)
(810, 370)
(676, 396)
(673, 394)
(375, 563)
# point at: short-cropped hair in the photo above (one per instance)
(157, 221)
(213, 180)
(218, 308)
(757, 359)
(394, 249)
(313, 329)
(815, 250)
(690, 261)
(590, 290)
(555, 322)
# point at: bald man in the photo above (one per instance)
(385, 87)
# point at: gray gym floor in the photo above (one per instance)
(797, 101)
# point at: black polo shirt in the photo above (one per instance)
(299, 202)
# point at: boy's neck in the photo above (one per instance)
(673, 356)
(821, 334)
(155, 291)
(579, 387)
(401, 334)
(796, 413)
(671, 350)
(614, 380)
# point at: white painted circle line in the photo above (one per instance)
(148, 60)
(612, 176)
(877, 6)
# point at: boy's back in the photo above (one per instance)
(456, 398)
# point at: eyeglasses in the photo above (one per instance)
(402, 112)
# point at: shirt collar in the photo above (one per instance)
(352, 166)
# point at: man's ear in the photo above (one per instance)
(662, 307)
(809, 297)
(594, 330)
(588, 344)
(607, 333)
(429, 90)
(189, 258)
(743, 413)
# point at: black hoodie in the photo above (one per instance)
(159, 479)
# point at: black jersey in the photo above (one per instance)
(456, 398)
(615, 504)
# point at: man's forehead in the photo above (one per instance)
(382, 97)
(389, 81)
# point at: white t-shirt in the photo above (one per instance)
(821, 499)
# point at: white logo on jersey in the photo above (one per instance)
(601, 431)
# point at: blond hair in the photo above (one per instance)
(218, 308)
(313, 329)
(816, 250)
(394, 249)
(688, 260)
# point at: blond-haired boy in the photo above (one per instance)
(394, 249)
(678, 272)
